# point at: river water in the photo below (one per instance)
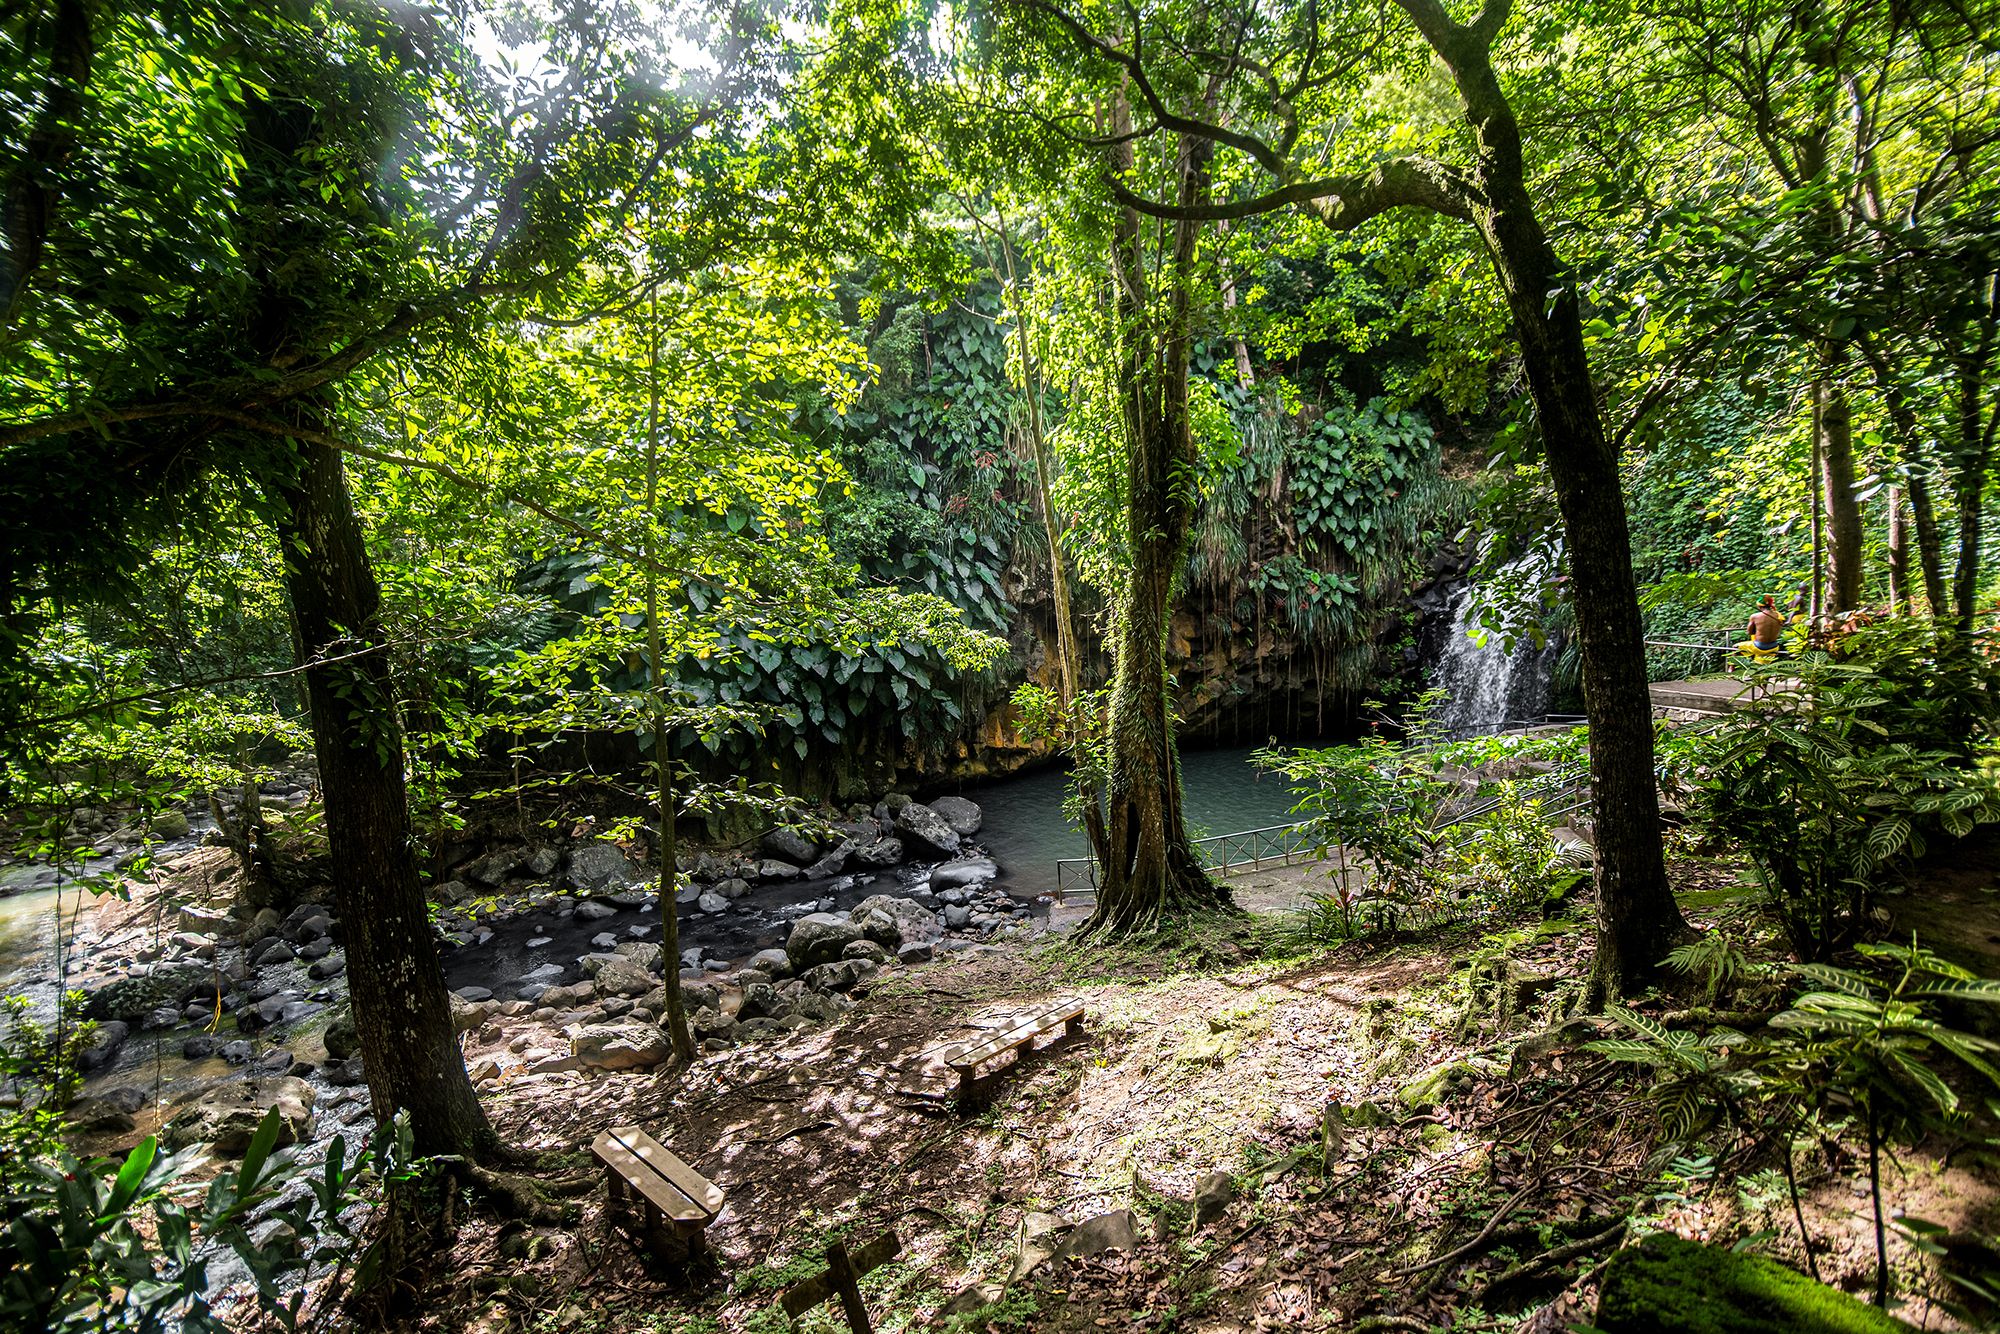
(1025, 832)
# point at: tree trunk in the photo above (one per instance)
(670, 912)
(1916, 475)
(402, 1013)
(1638, 920)
(1147, 869)
(1977, 422)
(1899, 553)
(1835, 423)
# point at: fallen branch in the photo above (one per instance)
(1561, 1255)
(1472, 1247)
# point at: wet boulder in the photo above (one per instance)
(773, 869)
(963, 816)
(340, 1037)
(789, 845)
(819, 938)
(133, 998)
(225, 1118)
(621, 976)
(925, 832)
(963, 872)
(596, 866)
(104, 1045)
(879, 855)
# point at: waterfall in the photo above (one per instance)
(1484, 684)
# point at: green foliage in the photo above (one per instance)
(104, 1245)
(1669, 1285)
(1841, 770)
(38, 1071)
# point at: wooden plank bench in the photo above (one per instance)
(1016, 1037)
(657, 1195)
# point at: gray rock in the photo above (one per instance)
(925, 832)
(820, 1006)
(732, 888)
(467, 1015)
(340, 1038)
(541, 862)
(819, 938)
(200, 1047)
(867, 949)
(322, 969)
(474, 994)
(620, 1046)
(777, 963)
(294, 1011)
(881, 854)
(167, 1016)
(712, 904)
(956, 916)
(708, 1024)
(773, 869)
(788, 845)
(699, 996)
(314, 949)
(545, 974)
(623, 977)
(1212, 1196)
(132, 998)
(916, 952)
(644, 953)
(496, 866)
(965, 871)
(270, 952)
(237, 1052)
(893, 922)
(1035, 1243)
(451, 892)
(603, 940)
(1115, 1231)
(760, 1001)
(843, 975)
(170, 824)
(963, 816)
(104, 1045)
(225, 1118)
(596, 866)
(832, 864)
(592, 911)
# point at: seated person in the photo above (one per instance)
(1767, 624)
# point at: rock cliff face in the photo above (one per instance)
(1244, 675)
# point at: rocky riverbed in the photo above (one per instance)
(207, 1014)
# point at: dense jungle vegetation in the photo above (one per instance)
(481, 477)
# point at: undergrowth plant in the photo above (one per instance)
(1837, 773)
(111, 1245)
(1860, 1048)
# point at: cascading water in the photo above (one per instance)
(1487, 685)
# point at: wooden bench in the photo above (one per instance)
(1016, 1037)
(657, 1195)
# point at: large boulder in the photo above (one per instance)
(133, 998)
(879, 855)
(925, 832)
(789, 845)
(103, 1046)
(620, 1046)
(642, 952)
(596, 866)
(965, 871)
(963, 816)
(225, 1117)
(775, 962)
(892, 921)
(497, 865)
(842, 975)
(340, 1037)
(819, 938)
(624, 977)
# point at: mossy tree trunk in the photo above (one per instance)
(1147, 870)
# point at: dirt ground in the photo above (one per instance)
(1490, 1205)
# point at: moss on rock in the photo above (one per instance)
(1669, 1285)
